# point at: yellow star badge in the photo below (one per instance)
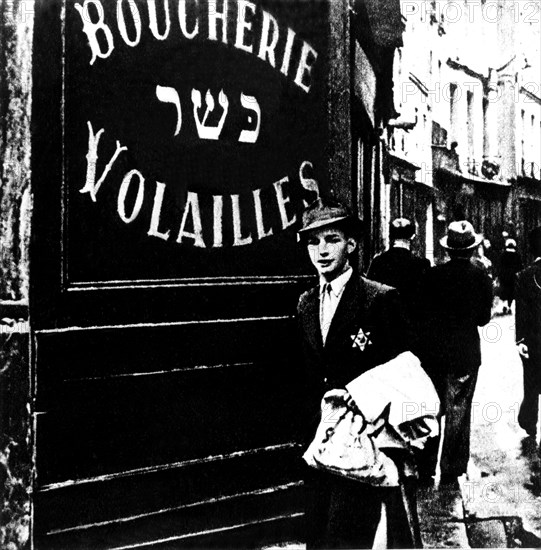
(361, 339)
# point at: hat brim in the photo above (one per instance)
(476, 242)
(323, 223)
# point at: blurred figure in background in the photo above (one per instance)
(528, 335)
(480, 258)
(510, 265)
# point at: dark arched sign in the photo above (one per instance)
(191, 138)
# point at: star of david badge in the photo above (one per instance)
(361, 339)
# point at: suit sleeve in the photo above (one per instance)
(396, 327)
(486, 298)
(311, 392)
(521, 320)
(373, 272)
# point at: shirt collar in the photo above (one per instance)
(401, 243)
(338, 284)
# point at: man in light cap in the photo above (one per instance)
(457, 300)
(348, 325)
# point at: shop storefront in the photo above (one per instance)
(174, 146)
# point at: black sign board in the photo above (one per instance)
(193, 137)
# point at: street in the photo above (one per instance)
(498, 503)
(503, 475)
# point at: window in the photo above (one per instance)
(471, 133)
(453, 112)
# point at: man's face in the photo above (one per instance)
(328, 249)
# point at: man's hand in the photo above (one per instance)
(523, 350)
(350, 403)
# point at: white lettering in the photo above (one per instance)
(266, 48)
(91, 29)
(250, 103)
(192, 206)
(214, 15)
(204, 131)
(305, 68)
(182, 19)
(287, 52)
(308, 183)
(153, 23)
(243, 25)
(91, 185)
(124, 186)
(261, 233)
(238, 239)
(218, 207)
(282, 201)
(156, 211)
(122, 22)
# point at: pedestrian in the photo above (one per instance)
(510, 265)
(399, 267)
(457, 300)
(348, 325)
(528, 334)
(480, 259)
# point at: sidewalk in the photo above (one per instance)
(441, 515)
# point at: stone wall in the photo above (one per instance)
(16, 21)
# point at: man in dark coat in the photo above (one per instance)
(457, 300)
(528, 334)
(348, 325)
(398, 266)
(510, 265)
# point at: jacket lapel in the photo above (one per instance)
(348, 313)
(313, 328)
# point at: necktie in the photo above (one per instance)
(326, 311)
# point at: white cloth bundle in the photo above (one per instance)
(402, 383)
(397, 407)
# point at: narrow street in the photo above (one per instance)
(498, 504)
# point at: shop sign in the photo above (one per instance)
(194, 135)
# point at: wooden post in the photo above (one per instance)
(339, 101)
(16, 19)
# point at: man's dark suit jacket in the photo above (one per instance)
(366, 305)
(528, 316)
(399, 268)
(457, 298)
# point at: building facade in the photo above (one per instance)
(469, 72)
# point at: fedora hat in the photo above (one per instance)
(460, 236)
(401, 228)
(325, 212)
(511, 244)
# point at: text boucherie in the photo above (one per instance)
(252, 30)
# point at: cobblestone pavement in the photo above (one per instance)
(498, 502)
(502, 487)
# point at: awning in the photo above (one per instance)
(470, 178)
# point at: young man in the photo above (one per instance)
(348, 325)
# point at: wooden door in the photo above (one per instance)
(174, 146)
